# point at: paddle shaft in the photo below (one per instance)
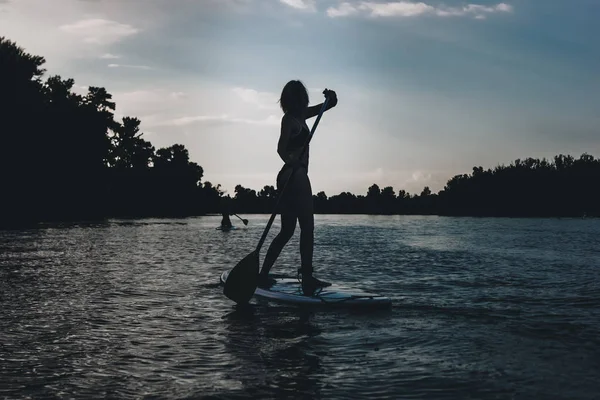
(308, 139)
(243, 220)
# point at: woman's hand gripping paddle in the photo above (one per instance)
(243, 278)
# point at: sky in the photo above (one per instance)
(426, 90)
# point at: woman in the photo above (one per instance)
(297, 202)
(226, 212)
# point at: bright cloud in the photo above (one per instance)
(399, 9)
(263, 100)
(222, 119)
(308, 5)
(99, 31)
(109, 56)
(412, 9)
(343, 10)
(129, 66)
(504, 7)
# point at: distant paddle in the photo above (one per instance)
(245, 221)
(243, 278)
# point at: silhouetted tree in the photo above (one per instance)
(246, 199)
(374, 199)
(320, 203)
(267, 198)
(66, 158)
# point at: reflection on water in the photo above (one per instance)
(483, 308)
(265, 343)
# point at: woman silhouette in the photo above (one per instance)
(226, 212)
(296, 203)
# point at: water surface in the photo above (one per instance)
(482, 308)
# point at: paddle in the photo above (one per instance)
(243, 278)
(245, 221)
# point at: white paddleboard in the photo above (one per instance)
(289, 290)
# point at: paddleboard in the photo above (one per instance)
(289, 290)
(222, 228)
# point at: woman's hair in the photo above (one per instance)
(294, 97)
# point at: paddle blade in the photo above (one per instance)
(245, 221)
(243, 279)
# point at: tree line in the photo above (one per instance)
(562, 187)
(64, 156)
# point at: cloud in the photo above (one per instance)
(411, 9)
(504, 7)
(262, 100)
(343, 10)
(476, 9)
(99, 31)
(165, 108)
(177, 95)
(307, 5)
(81, 89)
(109, 56)
(400, 9)
(222, 119)
(150, 105)
(129, 66)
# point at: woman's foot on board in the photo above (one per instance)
(310, 284)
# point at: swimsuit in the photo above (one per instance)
(297, 198)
